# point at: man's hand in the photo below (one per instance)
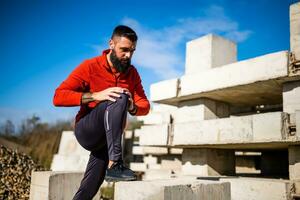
(131, 105)
(108, 94)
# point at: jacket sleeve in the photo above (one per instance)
(139, 97)
(69, 92)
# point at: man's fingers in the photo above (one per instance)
(111, 99)
(114, 94)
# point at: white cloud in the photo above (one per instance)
(161, 50)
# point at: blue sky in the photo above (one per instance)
(43, 41)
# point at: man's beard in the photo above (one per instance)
(121, 65)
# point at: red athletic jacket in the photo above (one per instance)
(95, 75)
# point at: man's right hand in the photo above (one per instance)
(108, 94)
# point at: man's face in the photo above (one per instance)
(122, 51)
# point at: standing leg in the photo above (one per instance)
(90, 133)
(93, 176)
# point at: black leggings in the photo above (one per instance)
(100, 132)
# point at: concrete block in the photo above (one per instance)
(49, 185)
(163, 108)
(258, 188)
(291, 96)
(69, 146)
(138, 150)
(295, 29)
(208, 52)
(150, 159)
(263, 127)
(200, 109)
(138, 132)
(138, 167)
(154, 135)
(154, 166)
(294, 162)
(155, 150)
(71, 155)
(208, 162)
(171, 164)
(213, 131)
(267, 126)
(297, 123)
(155, 118)
(171, 190)
(175, 150)
(128, 134)
(164, 89)
(266, 67)
(69, 163)
(144, 150)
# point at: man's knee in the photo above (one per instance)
(123, 99)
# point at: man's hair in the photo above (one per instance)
(125, 31)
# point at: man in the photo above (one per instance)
(105, 88)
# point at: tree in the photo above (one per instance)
(8, 128)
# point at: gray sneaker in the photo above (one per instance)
(118, 172)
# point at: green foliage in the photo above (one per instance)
(42, 139)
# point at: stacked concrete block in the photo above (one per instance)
(49, 185)
(181, 189)
(71, 156)
(225, 106)
(291, 97)
(295, 29)
(209, 52)
(208, 162)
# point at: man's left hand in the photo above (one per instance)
(131, 103)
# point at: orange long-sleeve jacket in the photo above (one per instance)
(95, 75)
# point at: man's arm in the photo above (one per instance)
(70, 91)
(139, 98)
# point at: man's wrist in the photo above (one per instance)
(133, 110)
(87, 97)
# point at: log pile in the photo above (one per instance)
(15, 174)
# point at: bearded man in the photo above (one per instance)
(106, 88)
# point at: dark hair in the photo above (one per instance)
(124, 31)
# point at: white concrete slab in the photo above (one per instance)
(154, 135)
(250, 82)
(155, 118)
(200, 109)
(258, 188)
(258, 128)
(208, 52)
(297, 123)
(138, 167)
(295, 29)
(261, 68)
(164, 90)
(49, 185)
(185, 189)
(291, 96)
(69, 163)
(69, 146)
(71, 155)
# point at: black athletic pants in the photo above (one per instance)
(100, 132)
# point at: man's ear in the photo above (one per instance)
(111, 44)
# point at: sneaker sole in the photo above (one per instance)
(110, 179)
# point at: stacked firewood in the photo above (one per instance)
(15, 174)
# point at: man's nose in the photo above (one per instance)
(128, 54)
